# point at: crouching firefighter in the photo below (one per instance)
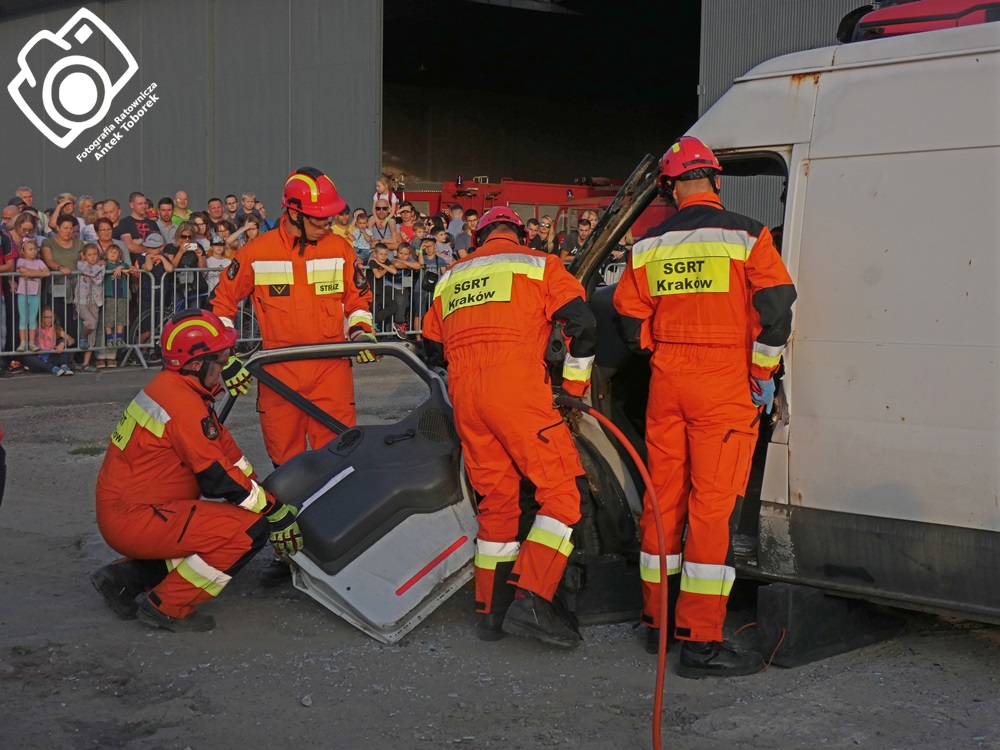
(490, 320)
(167, 452)
(709, 295)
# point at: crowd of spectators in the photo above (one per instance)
(77, 276)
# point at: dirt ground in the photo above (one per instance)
(281, 671)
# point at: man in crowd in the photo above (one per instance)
(134, 228)
(407, 223)
(302, 283)
(574, 244)
(697, 294)
(342, 225)
(465, 241)
(26, 194)
(165, 219)
(498, 383)
(181, 210)
(216, 211)
(232, 206)
(169, 451)
(112, 211)
(265, 224)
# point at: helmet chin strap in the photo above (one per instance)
(300, 224)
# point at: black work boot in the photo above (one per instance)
(490, 627)
(716, 659)
(196, 622)
(275, 574)
(532, 616)
(119, 587)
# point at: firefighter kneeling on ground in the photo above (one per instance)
(169, 450)
(709, 295)
(491, 320)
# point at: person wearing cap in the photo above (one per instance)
(491, 320)
(167, 454)
(302, 281)
(154, 284)
(342, 225)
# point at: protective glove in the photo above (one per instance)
(235, 377)
(285, 536)
(365, 355)
(762, 393)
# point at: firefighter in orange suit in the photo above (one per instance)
(302, 283)
(711, 298)
(167, 452)
(301, 278)
(490, 320)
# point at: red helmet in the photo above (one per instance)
(313, 193)
(498, 215)
(686, 155)
(194, 333)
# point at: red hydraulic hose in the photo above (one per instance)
(565, 400)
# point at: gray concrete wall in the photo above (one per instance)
(247, 91)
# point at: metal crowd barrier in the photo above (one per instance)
(613, 271)
(140, 313)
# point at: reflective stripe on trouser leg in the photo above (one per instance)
(649, 574)
(493, 564)
(544, 554)
(708, 386)
(220, 539)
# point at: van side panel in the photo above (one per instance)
(896, 383)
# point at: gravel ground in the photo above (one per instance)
(279, 668)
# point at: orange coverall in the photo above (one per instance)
(492, 312)
(299, 298)
(168, 451)
(712, 299)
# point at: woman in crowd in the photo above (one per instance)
(249, 229)
(61, 253)
(104, 229)
(202, 229)
(547, 234)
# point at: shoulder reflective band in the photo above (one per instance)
(143, 412)
(267, 272)
(327, 274)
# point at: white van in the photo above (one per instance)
(880, 477)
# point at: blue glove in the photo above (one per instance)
(762, 393)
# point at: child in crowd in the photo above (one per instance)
(382, 192)
(216, 261)
(443, 246)
(433, 265)
(52, 340)
(408, 267)
(28, 290)
(116, 297)
(362, 237)
(385, 304)
(419, 233)
(89, 298)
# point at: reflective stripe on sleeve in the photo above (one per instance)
(577, 368)
(148, 414)
(359, 317)
(228, 321)
(199, 573)
(711, 580)
(551, 533)
(267, 272)
(245, 466)
(256, 499)
(649, 566)
(489, 554)
(766, 356)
